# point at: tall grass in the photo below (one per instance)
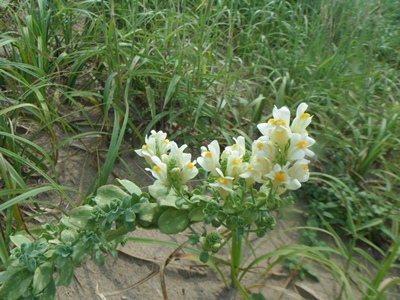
(205, 70)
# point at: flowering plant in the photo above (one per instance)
(240, 188)
(276, 162)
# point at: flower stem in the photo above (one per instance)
(236, 256)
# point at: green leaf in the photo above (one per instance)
(19, 239)
(80, 252)
(310, 271)
(148, 213)
(130, 186)
(194, 239)
(204, 257)
(49, 292)
(250, 215)
(100, 258)
(302, 275)
(68, 235)
(173, 221)
(328, 214)
(31, 264)
(171, 88)
(79, 217)
(42, 277)
(61, 260)
(257, 296)
(157, 190)
(179, 202)
(129, 215)
(106, 193)
(65, 274)
(196, 214)
(169, 200)
(16, 284)
(151, 101)
(370, 224)
(215, 223)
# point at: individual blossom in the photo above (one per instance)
(302, 119)
(156, 144)
(189, 170)
(299, 144)
(299, 170)
(263, 147)
(176, 156)
(209, 159)
(159, 170)
(256, 169)
(235, 164)
(223, 183)
(281, 179)
(179, 165)
(277, 129)
(239, 146)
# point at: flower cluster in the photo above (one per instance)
(278, 157)
(169, 164)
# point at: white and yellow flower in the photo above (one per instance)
(159, 170)
(263, 147)
(281, 179)
(180, 164)
(299, 170)
(256, 169)
(302, 119)
(176, 155)
(223, 183)
(235, 164)
(277, 129)
(299, 144)
(239, 146)
(209, 159)
(156, 144)
(189, 171)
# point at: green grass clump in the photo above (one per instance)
(204, 70)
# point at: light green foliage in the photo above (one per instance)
(300, 268)
(86, 231)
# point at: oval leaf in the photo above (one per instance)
(49, 292)
(196, 214)
(173, 221)
(79, 217)
(106, 193)
(130, 186)
(148, 213)
(19, 239)
(65, 274)
(42, 277)
(16, 284)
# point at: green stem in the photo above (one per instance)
(236, 256)
(236, 259)
(241, 289)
